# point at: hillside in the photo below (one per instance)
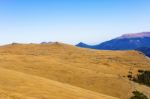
(17, 85)
(56, 70)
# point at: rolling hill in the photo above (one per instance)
(61, 71)
(17, 85)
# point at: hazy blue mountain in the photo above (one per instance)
(84, 45)
(145, 50)
(124, 42)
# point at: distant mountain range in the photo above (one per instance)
(125, 42)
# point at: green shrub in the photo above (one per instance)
(138, 95)
(143, 78)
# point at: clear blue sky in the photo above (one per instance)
(71, 21)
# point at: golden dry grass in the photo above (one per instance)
(16, 85)
(83, 73)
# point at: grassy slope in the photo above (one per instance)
(99, 71)
(16, 85)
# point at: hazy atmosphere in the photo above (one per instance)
(71, 21)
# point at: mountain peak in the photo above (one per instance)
(81, 44)
(135, 35)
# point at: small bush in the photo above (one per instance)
(140, 71)
(130, 76)
(138, 95)
(143, 78)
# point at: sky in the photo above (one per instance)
(71, 21)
